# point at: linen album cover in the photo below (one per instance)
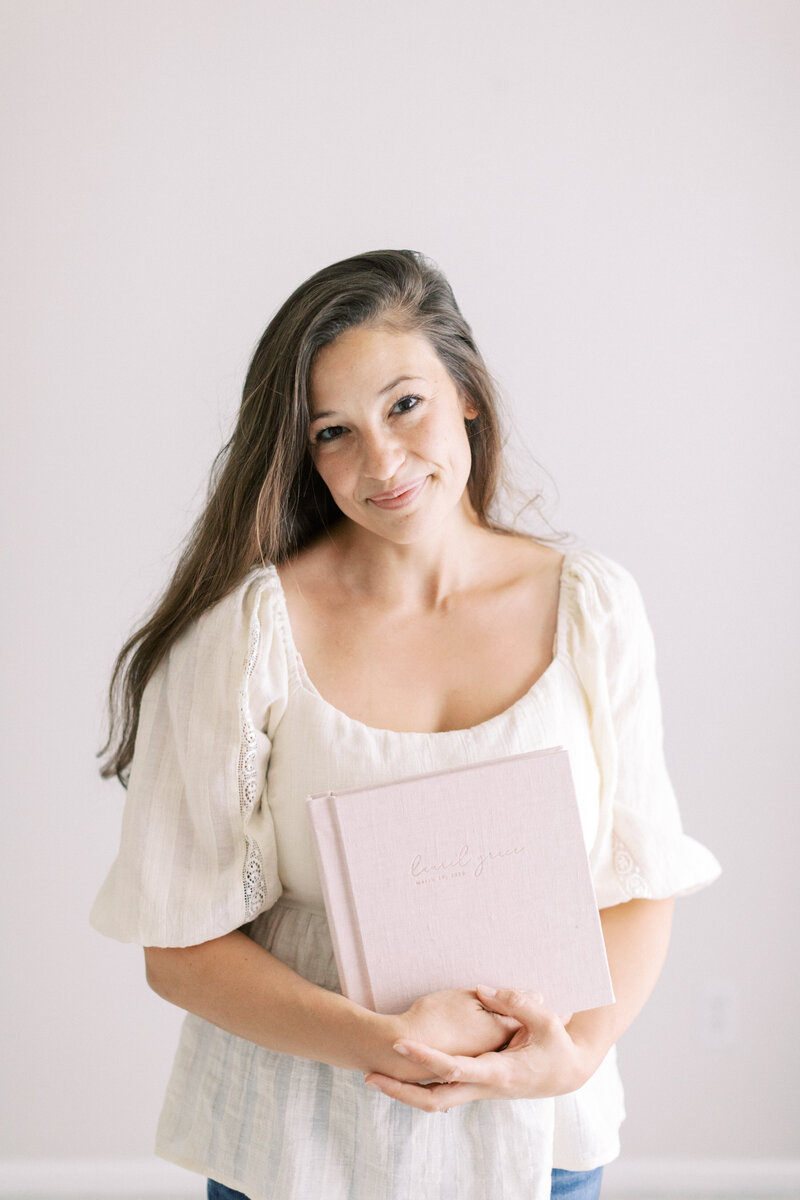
(472, 875)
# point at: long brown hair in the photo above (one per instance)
(265, 499)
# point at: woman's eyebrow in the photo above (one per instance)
(400, 379)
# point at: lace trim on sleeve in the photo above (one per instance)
(253, 885)
(627, 869)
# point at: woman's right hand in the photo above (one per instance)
(455, 1022)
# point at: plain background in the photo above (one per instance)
(613, 190)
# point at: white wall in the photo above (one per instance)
(613, 189)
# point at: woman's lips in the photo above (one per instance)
(400, 496)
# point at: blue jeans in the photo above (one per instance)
(574, 1185)
(577, 1185)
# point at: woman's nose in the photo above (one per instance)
(382, 455)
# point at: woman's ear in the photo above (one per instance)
(468, 409)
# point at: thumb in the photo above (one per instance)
(526, 1007)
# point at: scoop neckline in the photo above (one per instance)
(304, 682)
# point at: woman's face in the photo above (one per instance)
(387, 432)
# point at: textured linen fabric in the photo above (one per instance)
(232, 738)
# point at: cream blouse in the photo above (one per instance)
(232, 738)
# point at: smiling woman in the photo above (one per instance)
(380, 449)
(351, 540)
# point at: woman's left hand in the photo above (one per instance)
(541, 1059)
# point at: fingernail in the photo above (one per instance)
(487, 991)
(374, 1086)
(398, 1049)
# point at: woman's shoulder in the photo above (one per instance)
(242, 625)
(513, 558)
(309, 583)
(602, 603)
(592, 588)
(586, 580)
(253, 596)
(596, 577)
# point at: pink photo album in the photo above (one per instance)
(477, 874)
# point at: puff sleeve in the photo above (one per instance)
(640, 849)
(197, 855)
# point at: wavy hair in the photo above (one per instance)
(265, 498)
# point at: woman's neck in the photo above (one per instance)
(413, 576)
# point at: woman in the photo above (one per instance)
(348, 611)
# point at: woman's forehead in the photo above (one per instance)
(370, 361)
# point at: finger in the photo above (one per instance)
(510, 1024)
(450, 1068)
(526, 1007)
(444, 1067)
(485, 1071)
(435, 1098)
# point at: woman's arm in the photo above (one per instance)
(547, 1057)
(239, 986)
(637, 936)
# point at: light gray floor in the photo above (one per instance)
(607, 1194)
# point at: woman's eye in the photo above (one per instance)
(332, 433)
(329, 434)
(406, 403)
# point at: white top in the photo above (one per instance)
(232, 738)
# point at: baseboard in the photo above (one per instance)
(97, 1179)
(702, 1179)
(628, 1179)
